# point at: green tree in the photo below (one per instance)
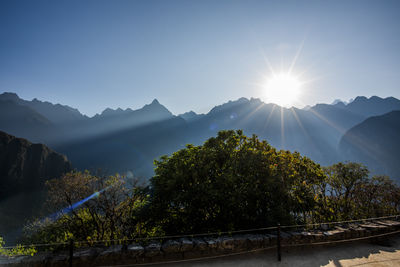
(102, 209)
(345, 180)
(379, 196)
(349, 193)
(17, 250)
(231, 182)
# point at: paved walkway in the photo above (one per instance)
(359, 254)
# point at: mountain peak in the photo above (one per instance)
(115, 112)
(340, 105)
(337, 101)
(242, 100)
(156, 106)
(191, 116)
(256, 101)
(360, 99)
(373, 106)
(155, 102)
(9, 96)
(107, 111)
(375, 98)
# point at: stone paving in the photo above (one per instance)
(386, 254)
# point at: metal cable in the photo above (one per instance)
(191, 260)
(239, 231)
(180, 236)
(37, 245)
(340, 241)
(202, 234)
(252, 251)
(339, 222)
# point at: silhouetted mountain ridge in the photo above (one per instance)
(55, 124)
(372, 106)
(120, 140)
(117, 120)
(191, 116)
(56, 113)
(375, 142)
(23, 121)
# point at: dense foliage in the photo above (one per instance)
(230, 182)
(89, 208)
(16, 250)
(347, 192)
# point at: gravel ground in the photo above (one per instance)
(384, 253)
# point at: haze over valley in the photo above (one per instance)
(127, 141)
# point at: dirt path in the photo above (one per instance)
(360, 254)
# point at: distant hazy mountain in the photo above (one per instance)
(149, 113)
(55, 124)
(23, 121)
(35, 120)
(372, 106)
(337, 117)
(337, 101)
(112, 120)
(314, 132)
(376, 143)
(55, 113)
(191, 116)
(128, 149)
(121, 140)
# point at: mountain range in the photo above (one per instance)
(129, 140)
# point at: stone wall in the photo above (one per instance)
(198, 247)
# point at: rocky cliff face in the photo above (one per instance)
(25, 166)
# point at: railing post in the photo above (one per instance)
(278, 241)
(71, 251)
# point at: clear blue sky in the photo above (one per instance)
(192, 55)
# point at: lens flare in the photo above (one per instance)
(76, 205)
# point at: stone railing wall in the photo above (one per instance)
(200, 247)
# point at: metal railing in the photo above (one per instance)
(278, 229)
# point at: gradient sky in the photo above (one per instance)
(193, 55)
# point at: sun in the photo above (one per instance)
(282, 89)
